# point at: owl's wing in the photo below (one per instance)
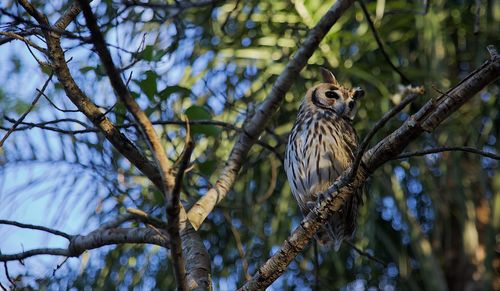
(294, 168)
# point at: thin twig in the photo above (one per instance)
(146, 218)
(404, 79)
(226, 125)
(272, 183)
(40, 63)
(37, 227)
(477, 21)
(239, 246)
(116, 221)
(25, 113)
(58, 266)
(366, 141)
(54, 105)
(43, 23)
(365, 254)
(447, 149)
(25, 40)
(29, 125)
(6, 269)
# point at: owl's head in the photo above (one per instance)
(332, 96)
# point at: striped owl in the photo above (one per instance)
(321, 146)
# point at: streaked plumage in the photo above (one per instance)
(321, 146)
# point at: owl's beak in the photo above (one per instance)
(340, 109)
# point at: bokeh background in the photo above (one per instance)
(434, 220)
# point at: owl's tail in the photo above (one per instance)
(327, 237)
(343, 224)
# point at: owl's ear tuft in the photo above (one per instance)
(328, 76)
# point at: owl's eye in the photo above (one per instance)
(332, 94)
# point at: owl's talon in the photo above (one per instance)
(310, 205)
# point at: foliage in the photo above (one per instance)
(218, 62)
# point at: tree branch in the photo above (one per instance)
(172, 8)
(18, 36)
(123, 93)
(89, 109)
(145, 126)
(37, 227)
(426, 119)
(96, 239)
(253, 128)
(413, 94)
(27, 111)
(199, 271)
(447, 149)
(173, 211)
(88, 129)
(380, 44)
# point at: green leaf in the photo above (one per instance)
(148, 85)
(120, 112)
(158, 198)
(196, 112)
(86, 69)
(146, 54)
(165, 93)
(208, 167)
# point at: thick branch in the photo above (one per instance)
(124, 94)
(96, 239)
(173, 211)
(426, 119)
(256, 125)
(87, 107)
(68, 16)
(168, 182)
(199, 272)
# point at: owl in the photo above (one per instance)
(321, 146)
